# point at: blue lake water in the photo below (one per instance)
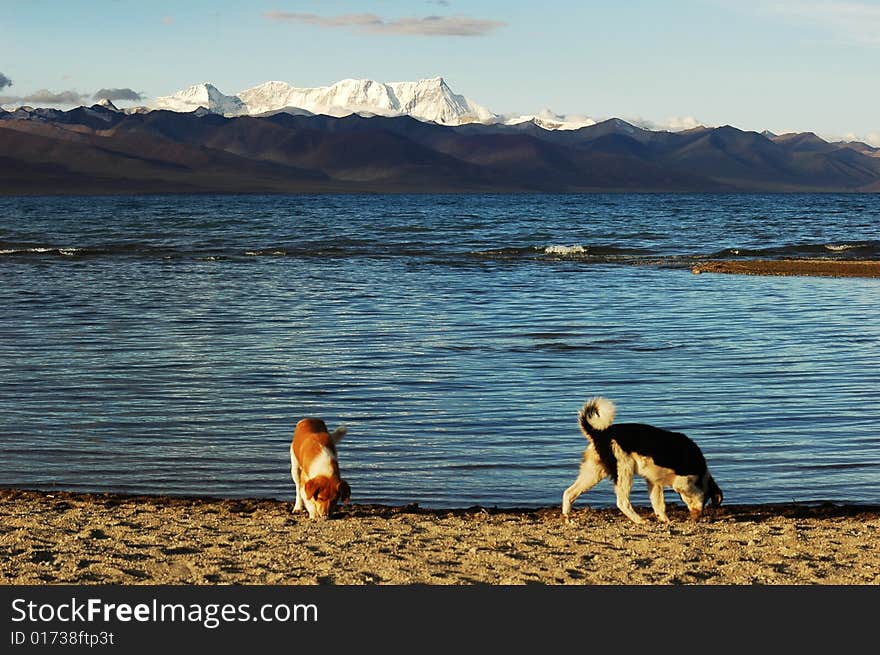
(169, 344)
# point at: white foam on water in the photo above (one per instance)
(12, 251)
(564, 250)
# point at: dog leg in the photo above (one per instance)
(622, 489)
(625, 506)
(295, 473)
(658, 502)
(590, 474)
(625, 471)
(298, 505)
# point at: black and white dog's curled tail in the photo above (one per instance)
(596, 415)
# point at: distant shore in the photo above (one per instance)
(813, 267)
(95, 539)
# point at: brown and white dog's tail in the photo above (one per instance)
(596, 415)
(338, 433)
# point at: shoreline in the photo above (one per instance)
(62, 537)
(865, 268)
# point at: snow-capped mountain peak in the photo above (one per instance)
(106, 103)
(202, 95)
(428, 99)
(432, 99)
(549, 120)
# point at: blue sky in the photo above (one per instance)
(782, 65)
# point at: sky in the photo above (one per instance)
(778, 65)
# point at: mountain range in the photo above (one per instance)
(428, 100)
(403, 137)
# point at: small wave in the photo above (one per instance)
(550, 335)
(24, 251)
(266, 253)
(859, 250)
(34, 250)
(509, 253)
(41, 250)
(555, 347)
(576, 252)
(602, 253)
(839, 466)
(564, 250)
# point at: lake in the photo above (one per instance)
(169, 344)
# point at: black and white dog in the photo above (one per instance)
(663, 458)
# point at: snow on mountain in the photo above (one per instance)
(433, 100)
(341, 99)
(551, 121)
(106, 103)
(427, 100)
(202, 95)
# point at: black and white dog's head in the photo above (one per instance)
(711, 491)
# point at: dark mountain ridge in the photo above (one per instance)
(99, 149)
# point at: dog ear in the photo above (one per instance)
(313, 488)
(716, 493)
(344, 492)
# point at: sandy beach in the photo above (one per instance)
(813, 267)
(94, 539)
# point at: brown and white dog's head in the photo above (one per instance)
(325, 492)
(314, 451)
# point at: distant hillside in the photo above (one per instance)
(100, 149)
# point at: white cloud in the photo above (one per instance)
(117, 94)
(872, 138)
(425, 26)
(44, 96)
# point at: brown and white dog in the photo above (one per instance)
(663, 458)
(314, 468)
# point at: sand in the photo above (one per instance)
(95, 539)
(813, 267)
